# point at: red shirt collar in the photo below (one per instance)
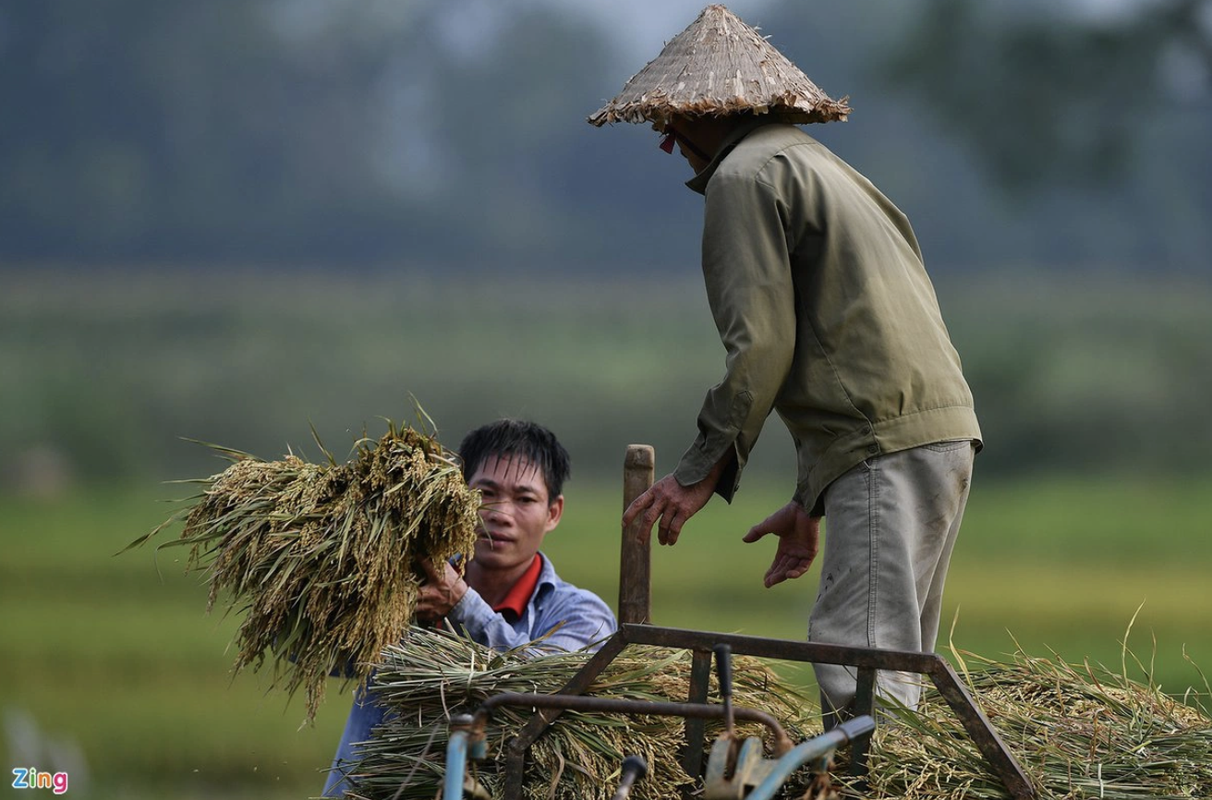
(519, 595)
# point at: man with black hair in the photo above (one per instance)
(509, 594)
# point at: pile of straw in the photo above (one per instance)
(434, 675)
(1077, 731)
(323, 559)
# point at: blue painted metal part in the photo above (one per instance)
(814, 749)
(456, 766)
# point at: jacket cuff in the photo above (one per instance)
(697, 462)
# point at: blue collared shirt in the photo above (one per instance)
(583, 621)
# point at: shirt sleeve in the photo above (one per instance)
(747, 272)
(578, 618)
(575, 618)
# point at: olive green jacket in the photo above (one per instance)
(823, 304)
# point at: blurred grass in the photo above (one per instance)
(1061, 563)
(1092, 371)
(113, 368)
(103, 651)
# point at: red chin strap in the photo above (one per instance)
(667, 143)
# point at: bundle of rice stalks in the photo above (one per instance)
(434, 675)
(1078, 731)
(323, 559)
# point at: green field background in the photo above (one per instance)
(114, 656)
(110, 665)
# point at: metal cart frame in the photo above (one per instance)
(634, 628)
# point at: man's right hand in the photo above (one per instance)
(441, 591)
(799, 540)
(672, 504)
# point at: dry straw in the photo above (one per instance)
(717, 66)
(434, 675)
(1078, 731)
(323, 560)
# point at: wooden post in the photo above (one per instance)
(635, 562)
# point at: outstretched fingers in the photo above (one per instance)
(786, 567)
(798, 539)
(778, 523)
(637, 505)
(671, 527)
(648, 505)
(431, 572)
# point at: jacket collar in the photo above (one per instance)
(699, 182)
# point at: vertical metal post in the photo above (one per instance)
(700, 675)
(515, 751)
(635, 560)
(864, 703)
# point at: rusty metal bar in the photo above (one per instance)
(864, 695)
(607, 705)
(696, 729)
(515, 756)
(947, 682)
(949, 686)
(864, 703)
(635, 557)
(723, 663)
(784, 649)
(981, 730)
(635, 613)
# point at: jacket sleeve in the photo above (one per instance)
(747, 271)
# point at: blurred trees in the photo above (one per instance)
(271, 130)
(1041, 93)
(159, 130)
(451, 134)
(1026, 132)
(1100, 120)
(448, 138)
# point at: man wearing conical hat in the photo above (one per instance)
(818, 289)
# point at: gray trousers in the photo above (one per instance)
(890, 526)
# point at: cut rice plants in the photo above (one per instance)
(1078, 730)
(434, 675)
(324, 561)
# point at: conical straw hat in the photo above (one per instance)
(718, 66)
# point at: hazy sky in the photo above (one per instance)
(644, 26)
(641, 27)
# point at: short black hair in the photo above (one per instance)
(514, 437)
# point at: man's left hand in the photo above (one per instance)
(442, 591)
(799, 539)
(672, 504)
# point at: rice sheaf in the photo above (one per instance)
(323, 561)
